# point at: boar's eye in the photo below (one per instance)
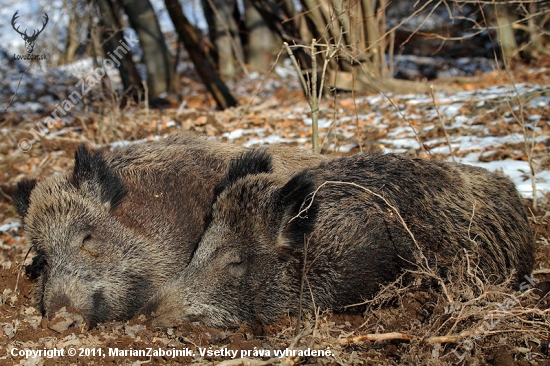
(87, 240)
(88, 244)
(236, 265)
(235, 259)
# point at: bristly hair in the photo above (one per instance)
(82, 166)
(90, 166)
(22, 196)
(252, 162)
(294, 197)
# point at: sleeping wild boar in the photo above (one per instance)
(108, 233)
(343, 219)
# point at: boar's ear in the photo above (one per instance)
(93, 168)
(22, 196)
(252, 162)
(299, 212)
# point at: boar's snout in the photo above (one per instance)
(56, 303)
(74, 296)
(62, 315)
(167, 307)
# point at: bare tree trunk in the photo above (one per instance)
(224, 34)
(77, 25)
(352, 31)
(72, 43)
(113, 43)
(506, 35)
(260, 39)
(288, 24)
(189, 35)
(157, 59)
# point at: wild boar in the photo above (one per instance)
(111, 231)
(347, 227)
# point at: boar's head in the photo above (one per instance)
(249, 258)
(87, 260)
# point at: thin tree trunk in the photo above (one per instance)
(506, 35)
(113, 43)
(73, 32)
(156, 57)
(189, 35)
(260, 39)
(372, 36)
(288, 25)
(224, 33)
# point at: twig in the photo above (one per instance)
(314, 102)
(146, 97)
(356, 111)
(451, 338)
(245, 111)
(313, 94)
(14, 94)
(442, 123)
(294, 360)
(426, 266)
(297, 67)
(302, 282)
(19, 271)
(299, 336)
(380, 337)
(234, 45)
(6, 195)
(321, 88)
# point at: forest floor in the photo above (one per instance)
(487, 121)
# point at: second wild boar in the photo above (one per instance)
(349, 224)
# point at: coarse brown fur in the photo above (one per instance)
(353, 215)
(108, 233)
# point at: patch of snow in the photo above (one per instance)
(460, 121)
(401, 143)
(272, 139)
(518, 172)
(540, 102)
(62, 131)
(480, 143)
(394, 151)
(14, 225)
(343, 148)
(322, 122)
(123, 143)
(401, 131)
(286, 71)
(239, 132)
